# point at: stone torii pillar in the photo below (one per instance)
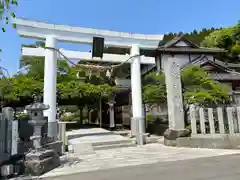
(137, 104)
(50, 80)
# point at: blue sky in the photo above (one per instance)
(140, 16)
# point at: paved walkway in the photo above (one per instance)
(211, 168)
(93, 135)
(132, 156)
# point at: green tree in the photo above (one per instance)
(194, 36)
(226, 38)
(19, 90)
(221, 39)
(197, 87)
(7, 11)
(73, 83)
(200, 88)
(34, 67)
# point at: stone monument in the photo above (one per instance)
(39, 159)
(175, 102)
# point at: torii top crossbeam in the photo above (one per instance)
(65, 33)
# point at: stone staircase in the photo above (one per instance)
(90, 140)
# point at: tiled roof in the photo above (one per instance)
(175, 41)
(169, 46)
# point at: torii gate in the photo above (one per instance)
(63, 33)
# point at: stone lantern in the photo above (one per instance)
(40, 159)
(35, 111)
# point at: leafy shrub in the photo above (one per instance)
(22, 116)
(149, 117)
(70, 117)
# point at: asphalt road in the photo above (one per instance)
(214, 168)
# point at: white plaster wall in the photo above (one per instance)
(182, 59)
(210, 57)
(181, 44)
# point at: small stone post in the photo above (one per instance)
(15, 137)
(111, 113)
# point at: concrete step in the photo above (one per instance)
(111, 142)
(89, 140)
(154, 139)
(75, 134)
(80, 147)
(114, 146)
(151, 139)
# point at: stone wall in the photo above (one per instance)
(157, 112)
(25, 131)
(6, 118)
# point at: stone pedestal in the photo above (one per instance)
(56, 146)
(40, 162)
(171, 136)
